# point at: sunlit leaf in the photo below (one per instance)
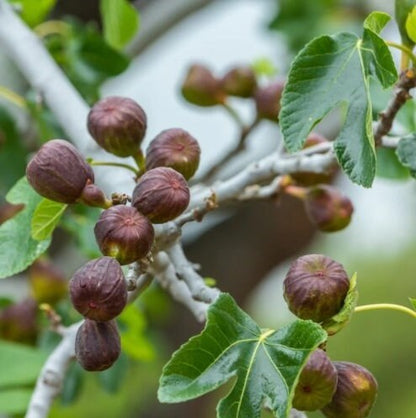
(45, 218)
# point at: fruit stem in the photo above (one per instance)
(141, 163)
(295, 191)
(391, 306)
(407, 54)
(12, 97)
(235, 115)
(114, 164)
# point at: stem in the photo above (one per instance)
(235, 115)
(141, 163)
(114, 164)
(390, 306)
(12, 97)
(406, 52)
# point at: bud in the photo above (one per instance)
(118, 125)
(98, 289)
(97, 345)
(174, 148)
(315, 287)
(201, 88)
(328, 208)
(267, 100)
(93, 196)
(355, 394)
(59, 172)
(240, 82)
(317, 383)
(48, 284)
(161, 194)
(123, 233)
(18, 322)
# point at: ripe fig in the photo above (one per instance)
(59, 172)
(174, 148)
(267, 100)
(201, 88)
(328, 208)
(161, 194)
(124, 233)
(355, 394)
(18, 322)
(98, 289)
(97, 345)
(48, 283)
(240, 82)
(317, 383)
(315, 287)
(118, 124)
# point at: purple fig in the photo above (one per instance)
(267, 100)
(240, 82)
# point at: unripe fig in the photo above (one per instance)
(317, 383)
(124, 233)
(118, 124)
(315, 287)
(174, 148)
(59, 172)
(240, 82)
(201, 88)
(161, 194)
(18, 322)
(98, 289)
(48, 284)
(328, 208)
(97, 345)
(355, 394)
(93, 196)
(267, 100)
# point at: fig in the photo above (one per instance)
(267, 99)
(174, 148)
(328, 208)
(48, 283)
(317, 383)
(315, 287)
(123, 233)
(355, 394)
(93, 196)
(240, 82)
(98, 289)
(161, 194)
(97, 345)
(59, 172)
(201, 88)
(118, 124)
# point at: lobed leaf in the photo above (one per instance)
(266, 363)
(17, 248)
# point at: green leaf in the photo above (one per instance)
(406, 152)
(120, 22)
(45, 218)
(332, 71)
(17, 248)
(411, 24)
(19, 364)
(34, 12)
(389, 166)
(266, 363)
(402, 10)
(14, 401)
(264, 67)
(343, 317)
(413, 302)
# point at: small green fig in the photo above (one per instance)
(123, 233)
(118, 124)
(161, 194)
(201, 88)
(239, 82)
(355, 394)
(174, 148)
(59, 172)
(317, 383)
(315, 287)
(98, 289)
(97, 345)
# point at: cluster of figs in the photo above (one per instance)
(316, 288)
(124, 232)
